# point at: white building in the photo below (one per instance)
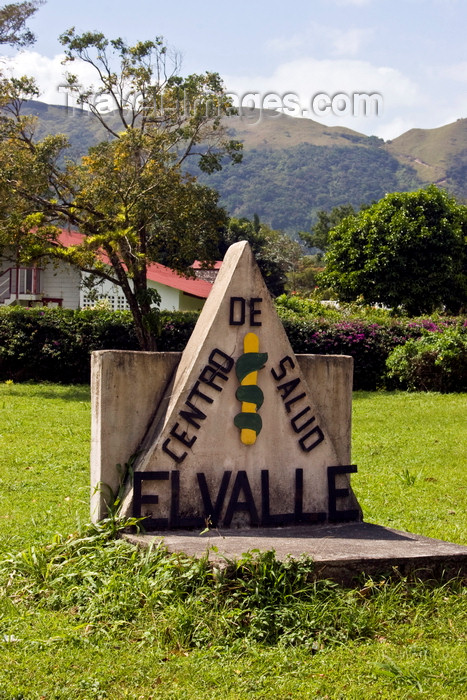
(61, 284)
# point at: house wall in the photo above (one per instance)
(189, 303)
(62, 281)
(102, 290)
(59, 281)
(171, 299)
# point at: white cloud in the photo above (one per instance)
(288, 44)
(349, 42)
(306, 78)
(48, 72)
(456, 71)
(404, 104)
(324, 38)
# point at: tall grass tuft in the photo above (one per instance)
(188, 603)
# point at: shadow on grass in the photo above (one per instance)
(44, 390)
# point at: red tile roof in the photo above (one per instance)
(156, 272)
(69, 238)
(189, 285)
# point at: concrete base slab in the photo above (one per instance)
(341, 552)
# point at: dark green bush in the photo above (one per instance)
(175, 329)
(368, 343)
(55, 344)
(434, 362)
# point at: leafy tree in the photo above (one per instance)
(302, 279)
(319, 237)
(128, 195)
(275, 253)
(13, 18)
(20, 239)
(408, 250)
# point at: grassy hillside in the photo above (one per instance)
(438, 155)
(269, 129)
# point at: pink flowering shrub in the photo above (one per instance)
(55, 344)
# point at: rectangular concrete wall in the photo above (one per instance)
(330, 378)
(127, 388)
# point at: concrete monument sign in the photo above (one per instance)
(244, 433)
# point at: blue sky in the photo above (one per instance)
(410, 55)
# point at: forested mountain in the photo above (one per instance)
(82, 129)
(286, 187)
(294, 167)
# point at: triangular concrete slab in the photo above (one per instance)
(238, 440)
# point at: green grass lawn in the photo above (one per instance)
(411, 453)
(89, 617)
(44, 458)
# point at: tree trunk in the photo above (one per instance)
(137, 298)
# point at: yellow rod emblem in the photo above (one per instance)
(248, 392)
